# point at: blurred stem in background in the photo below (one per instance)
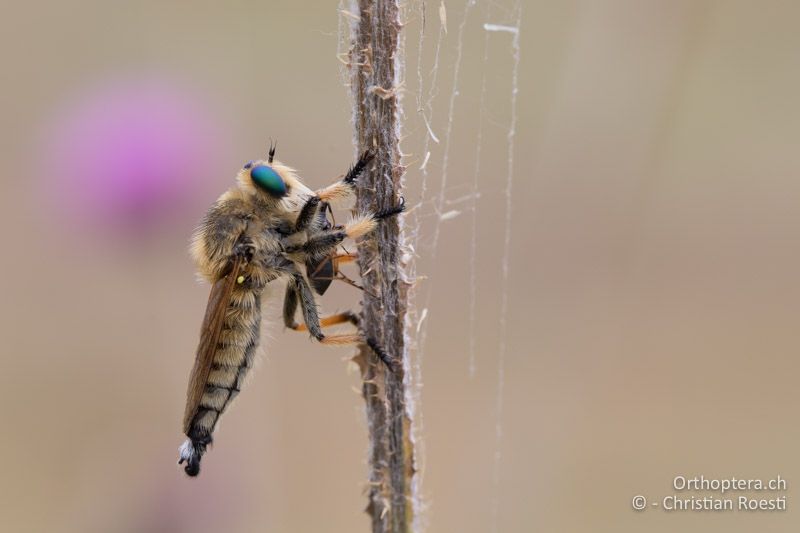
(374, 59)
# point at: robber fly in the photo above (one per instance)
(267, 226)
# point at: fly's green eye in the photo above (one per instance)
(268, 180)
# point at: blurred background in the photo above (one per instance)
(652, 302)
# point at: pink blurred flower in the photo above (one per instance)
(131, 153)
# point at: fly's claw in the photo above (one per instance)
(392, 211)
(359, 167)
(368, 155)
(391, 363)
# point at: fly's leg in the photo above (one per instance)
(345, 187)
(290, 308)
(307, 213)
(338, 191)
(298, 292)
(324, 243)
(346, 339)
(330, 320)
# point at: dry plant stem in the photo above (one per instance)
(373, 56)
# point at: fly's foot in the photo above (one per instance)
(392, 211)
(391, 363)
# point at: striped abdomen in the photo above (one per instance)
(232, 358)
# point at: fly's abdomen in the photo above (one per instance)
(233, 357)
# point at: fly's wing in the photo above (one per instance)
(213, 321)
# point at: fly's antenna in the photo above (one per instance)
(272, 147)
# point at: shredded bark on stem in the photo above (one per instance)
(373, 61)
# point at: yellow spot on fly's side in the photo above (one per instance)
(240, 280)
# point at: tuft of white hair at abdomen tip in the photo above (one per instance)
(191, 455)
(186, 451)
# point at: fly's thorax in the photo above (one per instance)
(258, 275)
(213, 240)
(296, 239)
(250, 210)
